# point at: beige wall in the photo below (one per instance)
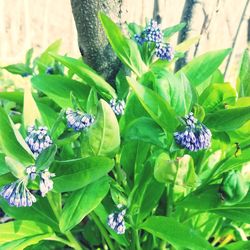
(37, 23)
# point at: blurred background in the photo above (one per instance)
(37, 23)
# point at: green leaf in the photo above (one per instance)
(75, 174)
(11, 141)
(125, 48)
(201, 67)
(46, 157)
(103, 137)
(145, 129)
(243, 245)
(175, 89)
(46, 60)
(187, 44)
(228, 120)
(59, 88)
(40, 212)
(3, 166)
(88, 75)
(202, 199)
(20, 234)
(19, 69)
(28, 56)
(82, 202)
(168, 32)
(155, 105)
(13, 96)
(243, 86)
(31, 113)
(216, 96)
(180, 237)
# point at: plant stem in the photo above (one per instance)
(118, 170)
(74, 243)
(137, 239)
(102, 230)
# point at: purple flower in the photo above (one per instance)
(117, 106)
(116, 220)
(164, 51)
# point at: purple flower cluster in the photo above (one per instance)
(153, 33)
(116, 220)
(196, 135)
(78, 120)
(38, 139)
(117, 106)
(17, 194)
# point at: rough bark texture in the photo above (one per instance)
(92, 41)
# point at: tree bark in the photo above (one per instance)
(92, 41)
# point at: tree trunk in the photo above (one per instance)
(92, 41)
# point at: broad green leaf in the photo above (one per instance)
(19, 69)
(201, 67)
(185, 46)
(145, 186)
(46, 157)
(145, 129)
(46, 59)
(88, 75)
(11, 141)
(3, 166)
(75, 174)
(133, 156)
(40, 212)
(59, 88)
(13, 96)
(133, 110)
(155, 105)
(243, 86)
(103, 137)
(20, 234)
(202, 199)
(125, 48)
(240, 245)
(175, 233)
(175, 89)
(82, 202)
(217, 96)
(168, 32)
(228, 119)
(31, 113)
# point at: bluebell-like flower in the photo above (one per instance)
(46, 184)
(116, 220)
(38, 139)
(196, 135)
(139, 39)
(151, 33)
(17, 194)
(78, 120)
(164, 51)
(117, 106)
(31, 173)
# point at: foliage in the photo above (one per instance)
(158, 161)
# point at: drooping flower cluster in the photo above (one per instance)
(196, 135)
(78, 120)
(46, 184)
(116, 220)
(17, 194)
(117, 106)
(164, 51)
(153, 33)
(38, 139)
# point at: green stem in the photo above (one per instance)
(118, 170)
(102, 230)
(72, 240)
(74, 243)
(137, 239)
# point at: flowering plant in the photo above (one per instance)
(160, 161)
